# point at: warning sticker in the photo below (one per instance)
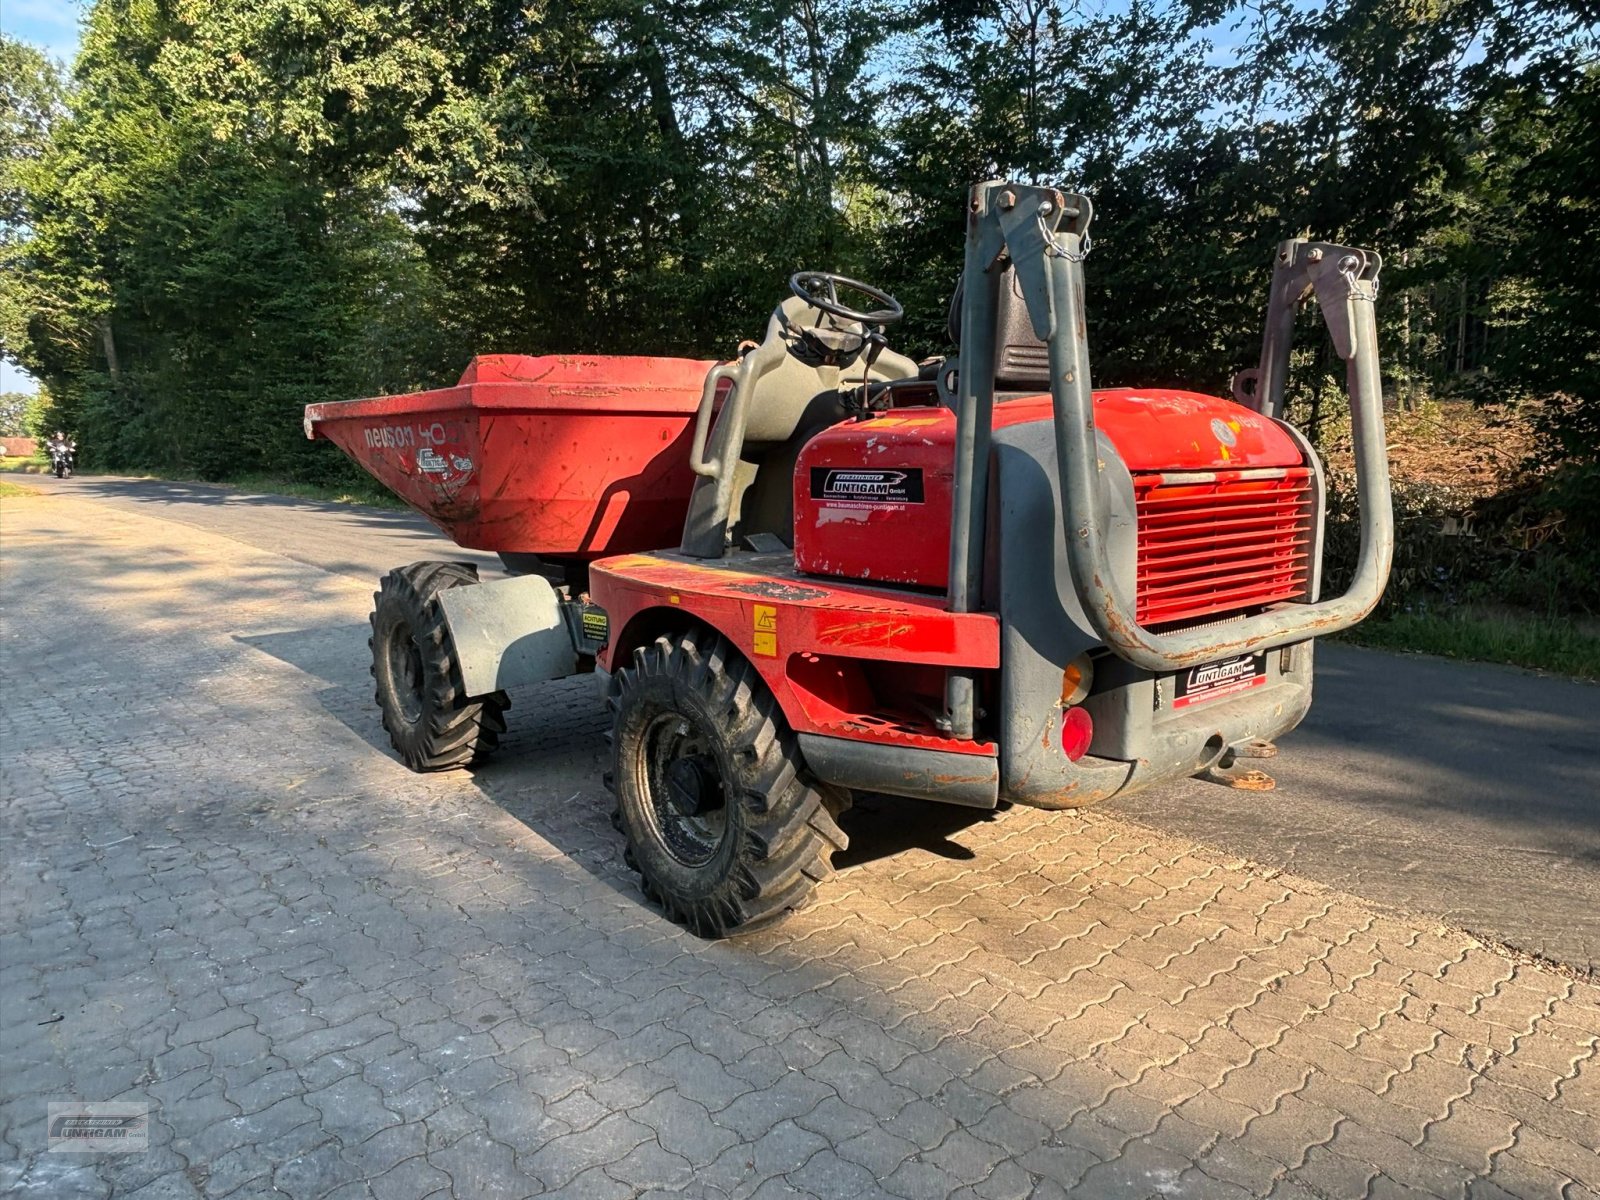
(860, 487)
(1225, 678)
(765, 640)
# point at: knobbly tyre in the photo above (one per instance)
(970, 581)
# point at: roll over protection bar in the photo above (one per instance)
(1043, 232)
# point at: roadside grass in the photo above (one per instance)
(7, 488)
(1561, 646)
(374, 496)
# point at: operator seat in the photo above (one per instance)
(1022, 360)
(793, 401)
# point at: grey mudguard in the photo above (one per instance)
(1042, 624)
(508, 632)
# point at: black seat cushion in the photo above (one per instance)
(1022, 360)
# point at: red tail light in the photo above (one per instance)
(1221, 542)
(1077, 731)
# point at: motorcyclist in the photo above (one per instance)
(62, 450)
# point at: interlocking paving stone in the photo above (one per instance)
(333, 978)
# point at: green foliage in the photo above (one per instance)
(31, 95)
(30, 103)
(236, 208)
(25, 414)
(1488, 635)
(1508, 551)
(38, 413)
(14, 414)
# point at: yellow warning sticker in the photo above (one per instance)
(765, 641)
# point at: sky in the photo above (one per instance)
(51, 25)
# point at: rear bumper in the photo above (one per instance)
(1194, 741)
(1142, 738)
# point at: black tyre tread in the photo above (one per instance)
(791, 819)
(459, 731)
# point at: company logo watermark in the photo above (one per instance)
(120, 1127)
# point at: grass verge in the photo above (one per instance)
(1560, 646)
(7, 488)
(374, 496)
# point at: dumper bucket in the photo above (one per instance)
(560, 456)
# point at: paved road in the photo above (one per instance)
(332, 979)
(1464, 791)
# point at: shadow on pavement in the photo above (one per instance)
(883, 826)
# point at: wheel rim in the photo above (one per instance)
(405, 671)
(688, 799)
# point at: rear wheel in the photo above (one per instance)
(723, 824)
(430, 723)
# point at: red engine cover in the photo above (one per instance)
(872, 498)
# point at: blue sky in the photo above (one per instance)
(52, 25)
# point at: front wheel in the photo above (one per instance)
(723, 824)
(430, 723)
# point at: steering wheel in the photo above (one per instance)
(808, 284)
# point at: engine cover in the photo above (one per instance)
(873, 497)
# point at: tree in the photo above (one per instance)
(31, 102)
(1548, 322)
(240, 207)
(14, 414)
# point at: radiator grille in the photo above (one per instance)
(1221, 542)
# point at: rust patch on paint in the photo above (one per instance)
(774, 589)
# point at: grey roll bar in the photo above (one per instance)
(1043, 232)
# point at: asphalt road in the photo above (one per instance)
(1466, 792)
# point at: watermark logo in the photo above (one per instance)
(115, 1126)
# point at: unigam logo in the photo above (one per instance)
(116, 1126)
(864, 484)
(867, 487)
(1220, 672)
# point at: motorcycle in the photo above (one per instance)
(61, 458)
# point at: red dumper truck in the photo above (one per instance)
(823, 568)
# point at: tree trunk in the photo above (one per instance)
(665, 112)
(1407, 391)
(820, 122)
(109, 342)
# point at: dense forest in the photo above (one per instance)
(225, 209)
